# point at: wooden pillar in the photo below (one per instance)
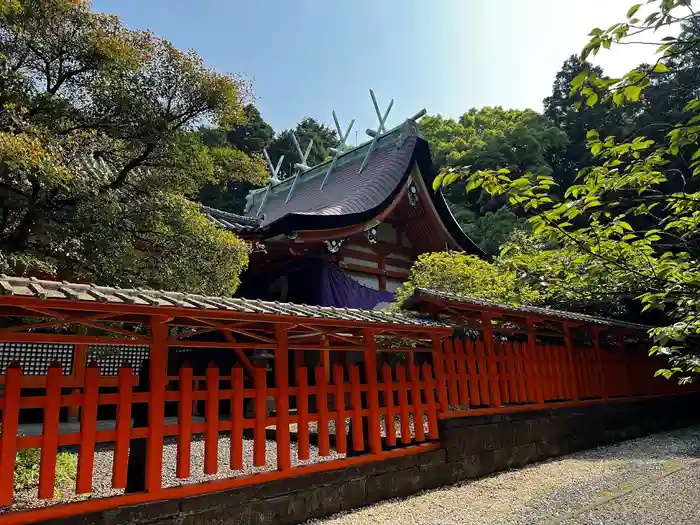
(599, 361)
(439, 368)
(570, 358)
(326, 357)
(156, 406)
(282, 397)
(381, 264)
(534, 361)
(79, 364)
(495, 389)
(370, 357)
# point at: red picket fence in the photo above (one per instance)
(390, 407)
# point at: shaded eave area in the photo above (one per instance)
(334, 226)
(471, 312)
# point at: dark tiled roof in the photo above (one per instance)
(349, 196)
(347, 190)
(474, 303)
(54, 290)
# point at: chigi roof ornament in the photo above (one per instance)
(300, 166)
(341, 147)
(274, 179)
(381, 129)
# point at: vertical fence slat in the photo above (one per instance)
(390, 414)
(259, 441)
(236, 438)
(439, 364)
(545, 379)
(418, 409)
(88, 430)
(403, 405)
(49, 445)
(451, 373)
(462, 373)
(512, 371)
(535, 360)
(303, 412)
(601, 365)
(483, 373)
(474, 398)
(123, 427)
(373, 429)
(567, 370)
(10, 423)
(282, 398)
(341, 443)
(184, 438)
(558, 384)
(570, 354)
(429, 385)
(521, 372)
(156, 404)
(501, 349)
(211, 432)
(358, 442)
(494, 375)
(324, 446)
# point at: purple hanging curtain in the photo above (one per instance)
(339, 289)
(318, 282)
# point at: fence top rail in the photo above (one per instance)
(443, 303)
(31, 292)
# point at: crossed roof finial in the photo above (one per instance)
(339, 150)
(380, 129)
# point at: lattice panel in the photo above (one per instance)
(111, 357)
(35, 358)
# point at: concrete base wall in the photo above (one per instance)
(471, 447)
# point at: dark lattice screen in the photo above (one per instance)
(35, 358)
(111, 357)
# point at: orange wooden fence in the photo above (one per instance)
(391, 409)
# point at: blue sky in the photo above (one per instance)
(309, 57)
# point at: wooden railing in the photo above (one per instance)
(347, 414)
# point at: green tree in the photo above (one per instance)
(574, 116)
(635, 215)
(482, 138)
(306, 129)
(250, 136)
(459, 273)
(99, 156)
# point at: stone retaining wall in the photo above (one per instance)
(471, 447)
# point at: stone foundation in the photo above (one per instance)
(471, 447)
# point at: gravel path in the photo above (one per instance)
(648, 481)
(102, 473)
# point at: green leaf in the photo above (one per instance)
(437, 182)
(633, 92)
(592, 134)
(632, 10)
(661, 68)
(619, 98)
(578, 79)
(592, 99)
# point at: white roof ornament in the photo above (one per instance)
(300, 166)
(302, 155)
(381, 129)
(339, 151)
(274, 179)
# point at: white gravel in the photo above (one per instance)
(102, 473)
(560, 491)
